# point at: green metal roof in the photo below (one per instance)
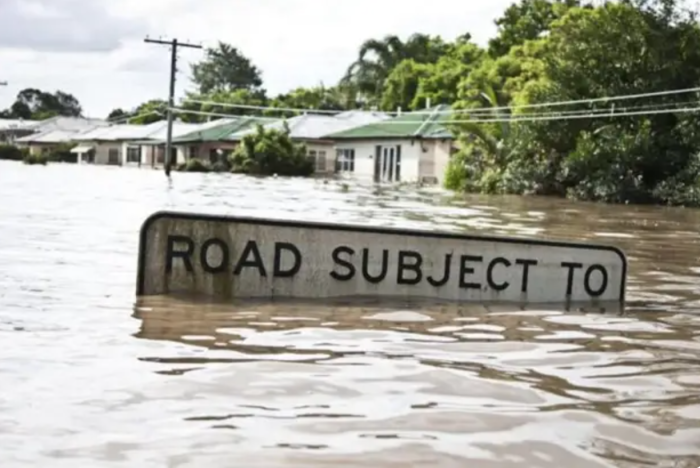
(409, 125)
(218, 132)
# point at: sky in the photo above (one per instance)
(95, 49)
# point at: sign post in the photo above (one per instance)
(234, 257)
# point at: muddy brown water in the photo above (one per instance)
(90, 377)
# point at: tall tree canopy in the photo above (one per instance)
(617, 48)
(225, 69)
(378, 58)
(32, 103)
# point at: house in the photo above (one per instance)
(211, 141)
(51, 133)
(11, 129)
(181, 148)
(111, 145)
(413, 147)
(131, 145)
(312, 129)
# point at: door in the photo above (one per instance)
(388, 163)
(113, 156)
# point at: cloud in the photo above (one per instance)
(63, 26)
(106, 64)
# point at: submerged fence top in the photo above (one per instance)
(243, 257)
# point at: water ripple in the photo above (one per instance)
(91, 378)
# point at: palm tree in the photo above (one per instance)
(378, 57)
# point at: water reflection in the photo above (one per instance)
(448, 383)
(89, 380)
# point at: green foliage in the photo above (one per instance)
(149, 112)
(35, 104)
(625, 48)
(61, 153)
(36, 159)
(117, 114)
(225, 69)
(526, 20)
(269, 152)
(12, 153)
(194, 165)
(377, 59)
(319, 97)
(197, 165)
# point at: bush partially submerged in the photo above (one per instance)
(270, 151)
(34, 159)
(12, 153)
(194, 165)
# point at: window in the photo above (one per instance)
(192, 152)
(133, 154)
(345, 160)
(321, 161)
(318, 158)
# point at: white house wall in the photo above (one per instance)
(102, 152)
(442, 150)
(411, 155)
(323, 153)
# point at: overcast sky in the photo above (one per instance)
(94, 49)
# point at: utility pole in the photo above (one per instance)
(174, 44)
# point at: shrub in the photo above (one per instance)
(194, 165)
(61, 153)
(34, 159)
(270, 151)
(12, 153)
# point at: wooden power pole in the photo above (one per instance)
(174, 44)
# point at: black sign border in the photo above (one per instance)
(176, 215)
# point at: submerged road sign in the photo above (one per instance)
(232, 257)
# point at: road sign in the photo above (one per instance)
(235, 257)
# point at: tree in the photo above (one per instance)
(225, 69)
(32, 103)
(148, 112)
(216, 105)
(401, 86)
(378, 58)
(319, 98)
(117, 114)
(442, 84)
(526, 20)
(624, 48)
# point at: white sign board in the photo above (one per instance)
(232, 257)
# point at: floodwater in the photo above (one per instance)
(90, 378)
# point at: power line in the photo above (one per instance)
(475, 111)
(126, 118)
(513, 119)
(179, 110)
(580, 101)
(270, 108)
(553, 116)
(174, 44)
